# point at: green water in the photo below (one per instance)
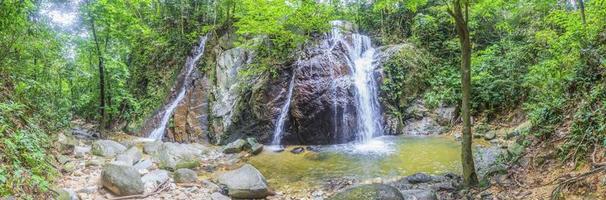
(406, 155)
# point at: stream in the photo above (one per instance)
(398, 156)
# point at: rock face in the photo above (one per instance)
(369, 192)
(191, 115)
(245, 183)
(107, 148)
(122, 180)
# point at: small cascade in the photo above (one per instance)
(158, 132)
(279, 129)
(360, 57)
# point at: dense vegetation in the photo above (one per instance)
(546, 57)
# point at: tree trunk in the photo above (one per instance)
(101, 76)
(461, 19)
(582, 8)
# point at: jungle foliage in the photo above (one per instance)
(544, 56)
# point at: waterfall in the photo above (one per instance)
(279, 129)
(158, 132)
(360, 56)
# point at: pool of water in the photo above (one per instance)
(385, 156)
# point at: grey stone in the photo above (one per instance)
(256, 149)
(185, 176)
(369, 192)
(490, 136)
(107, 148)
(67, 144)
(219, 196)
(424, 126)
(235, 146)
(121, 179)
(151, 147)
(419, 194)
(245, 183)
(154, 179)
(62, 159)
(130, 156)
(66, 194)
(81, 151)
(172, 156)
(143, 165)
(419, 178)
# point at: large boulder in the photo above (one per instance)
(185, 176)
(130, 156)
(107, 148)
(235, 146)
(172, 156)
(369, 192)
(121, 180)
(419, 194)
(152, 180)
(245, 182)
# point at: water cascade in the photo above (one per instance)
(158, 132)
(279, 130)
(360, 57)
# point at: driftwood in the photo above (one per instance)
(161, 188)
(555, 193)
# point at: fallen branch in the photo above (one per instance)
(161, 188)
(557, 190)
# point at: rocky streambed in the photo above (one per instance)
(130, 167)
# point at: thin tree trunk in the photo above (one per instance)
(582, 8)
(469, 173)
(101, 76)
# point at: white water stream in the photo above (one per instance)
(360, 55)
(158, 132)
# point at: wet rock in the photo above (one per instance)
(172, 156)
(107, 148)
(256, 149)
(153, 179)
(121, 180)
(81, 151)
(369, 192)
(254, 146)
(218, 196)
(151, 147)
(311, 155)
(130, 156)
(235, 146)
(84, 133)
(297, 150)
(185, 176)
(312, 148)
(419, 195)
(419, 178)
(245, 183)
